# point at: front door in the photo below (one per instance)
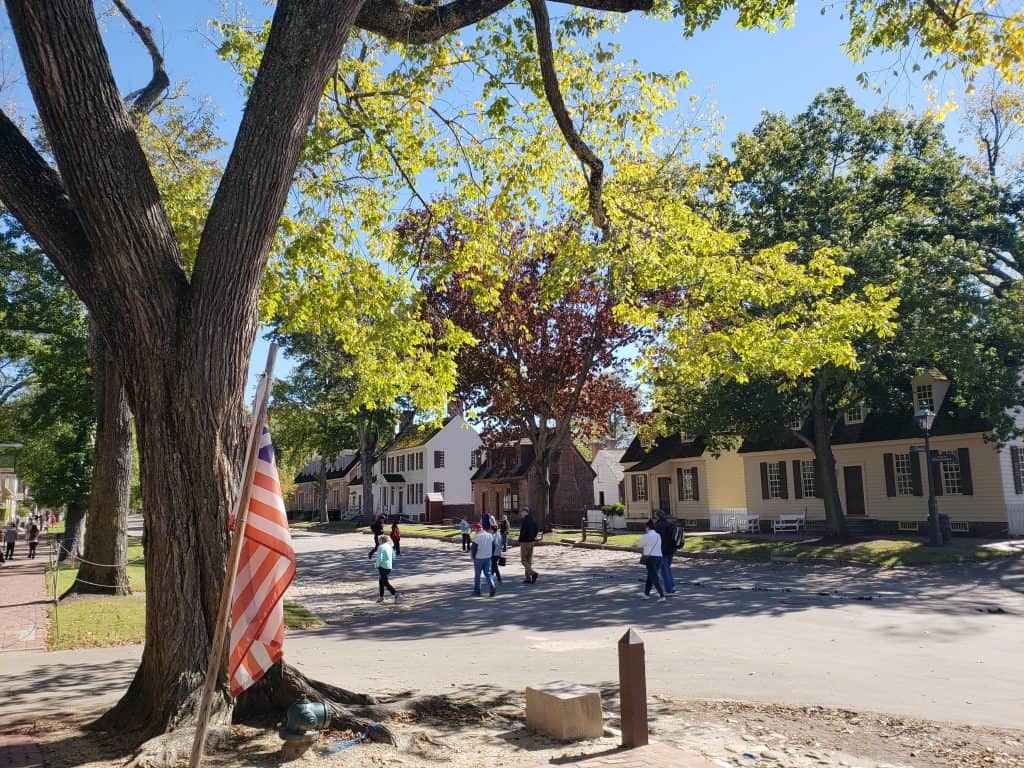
(853, 479)
(400, 509)
(664, 498)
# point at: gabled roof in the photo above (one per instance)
(338, 468)
(416, 435)
(665, 448)
(952, 419)
(488, 472)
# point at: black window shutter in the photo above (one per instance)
(890, 474)
(633, 484)
(798, 486)
(936, 470)
(915, 474)
(764, 480)
(966, 481)
(783, 488)
(696, 488)
(1018, 487)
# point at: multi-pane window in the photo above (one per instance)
(419, 460)
(401, 463)
(808, 479)
(923, 396)
(438, 487)
(685, 479)
(795, 423)
(903, 475)
(391, 464)
(639, 483)
(855, 414)
(950, 468)
(474, 459)
(438, 459)
(774, 481)
(511, 498)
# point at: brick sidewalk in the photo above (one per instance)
(24, 616)
(20, 751)
(651, 756)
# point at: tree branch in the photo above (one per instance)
(410, 23)
(595, 178)
(143, 100)
(942, 15)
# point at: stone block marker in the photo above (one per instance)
(565, 711)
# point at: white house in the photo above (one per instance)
(881, 475)
(307, 484)
(438, 461)
(607, 466)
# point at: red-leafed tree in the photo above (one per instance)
(550, 359)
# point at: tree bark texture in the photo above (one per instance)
(835, 520)
(321, 502)
(103, 569)
(74, 529)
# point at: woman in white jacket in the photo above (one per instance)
(650, 547)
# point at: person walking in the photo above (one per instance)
(396, 538)
(377, 529)
(486, 521)
(496, 555)
(10, 538)
(464, 528)
(33, 539)
(483, 553)
(503, 530)
(667, 531)
(385, 562)
(650, 547)
(528, 535)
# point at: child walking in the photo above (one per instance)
(385, 562)
(396, 538)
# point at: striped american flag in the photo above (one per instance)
(265, 569)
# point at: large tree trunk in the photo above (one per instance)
(74, 528)
(835, 520)
(540, 495)
(367, 455)
(321, 501)
(103, 568)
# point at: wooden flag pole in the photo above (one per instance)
(240, 514)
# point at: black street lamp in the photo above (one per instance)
(925, 417)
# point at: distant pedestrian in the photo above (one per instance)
(10, 538)
(528, 534)
(385, 562)
(396, 538)
(33, 539)
(464, 528)
(483, 553)
(667, 531)
(486, 521)
(377, 529)
(503, 530)
(496, 556)
(650, 548)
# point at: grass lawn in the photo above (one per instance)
(136, 572)
(883, 552)
(433, 531)
(122, 621)
(315, 525)
(57, 529)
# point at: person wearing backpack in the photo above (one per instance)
(668, 532)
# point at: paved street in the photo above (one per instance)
(938, 643)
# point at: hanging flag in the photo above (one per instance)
(265, 569)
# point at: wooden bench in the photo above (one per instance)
(789, 523)
(596, 527)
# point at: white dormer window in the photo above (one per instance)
(795, 423)
(924, 397)
(855, 414)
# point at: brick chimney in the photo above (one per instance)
(454, 408)
(406, 420)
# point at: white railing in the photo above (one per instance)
(1015, 518)
(722, 519)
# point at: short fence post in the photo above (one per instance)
(583, 527)
(633, 690)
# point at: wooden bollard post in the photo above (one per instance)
(633, 690)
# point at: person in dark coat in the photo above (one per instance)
(667, 531)
(377, 529)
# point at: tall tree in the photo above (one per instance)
(182, 339)
(547, 359)
(905, 215)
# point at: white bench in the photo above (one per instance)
(788, 523)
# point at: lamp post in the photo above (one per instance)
(925, 417)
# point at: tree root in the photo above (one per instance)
(168, 749)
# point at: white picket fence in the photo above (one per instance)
(721, 519)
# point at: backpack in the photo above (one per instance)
(678, 535)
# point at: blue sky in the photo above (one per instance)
(744, 72)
